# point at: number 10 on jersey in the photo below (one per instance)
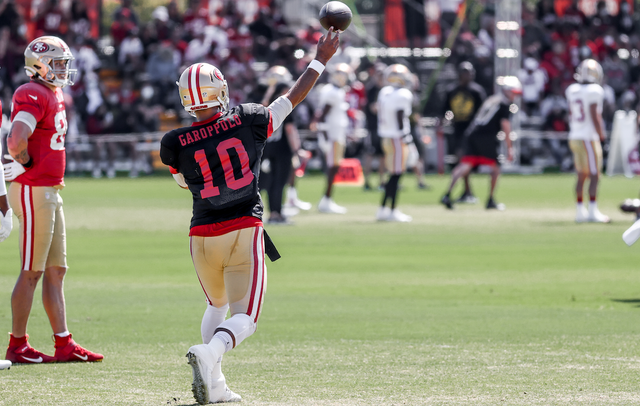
(223, 153)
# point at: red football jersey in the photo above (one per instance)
(46, 144)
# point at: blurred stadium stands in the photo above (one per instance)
(129, 54)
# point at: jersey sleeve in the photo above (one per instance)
(30, 100)
(258, 117)
(168, 150)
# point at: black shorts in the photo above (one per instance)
(481, 146)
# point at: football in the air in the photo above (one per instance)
(335, 14)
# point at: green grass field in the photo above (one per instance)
(469, 307)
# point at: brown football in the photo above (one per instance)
(335, 14)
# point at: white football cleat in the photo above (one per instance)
(297, 203)
(383, 213)
(630, 236)
(293, 201)
(227, 396)
(202, 359)
(5, 364)
(596, 217)
(582, 215)
(290, 211)
(327, 205)
(397, 215)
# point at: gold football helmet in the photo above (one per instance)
(49, 59)
(589, 71)
(341, 75)
(276, 74)
(202, 86)
(398, 75)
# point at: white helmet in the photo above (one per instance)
(341, 75)
(276, 74)
(589, 71)
(49, 59)
(511, 84)
(202, 86)
(398, 75)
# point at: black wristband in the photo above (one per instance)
(29, 163)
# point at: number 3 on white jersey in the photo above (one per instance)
(57, 139)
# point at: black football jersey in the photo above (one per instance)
(481, 136)
(220, 160)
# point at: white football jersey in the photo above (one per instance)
(390, 100)
(580, 97)
(336, 121)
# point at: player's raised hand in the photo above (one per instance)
(12, 169)
(6, 224)
(327, 46)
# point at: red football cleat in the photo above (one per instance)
(20, 352)
(68, 351)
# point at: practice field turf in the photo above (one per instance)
(469, 307)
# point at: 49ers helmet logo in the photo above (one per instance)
(39, 47)
(218, 74)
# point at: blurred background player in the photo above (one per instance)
(373, 146)
(6, 214)
(395, 103)
(481, 143)
(218, 159)
(333, 122)
(462, 102)
(416, 135)
(586, 132)
(6, 223)
(36, 172)
(276, 166)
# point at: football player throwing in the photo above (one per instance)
(218, 160)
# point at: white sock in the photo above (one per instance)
(292, 193)
(593, 206)
(232, 332)
(579, 206)
(63, 334)
(213, 317)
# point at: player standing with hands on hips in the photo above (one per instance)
(36, 170)
(218, 160)
(586, 132)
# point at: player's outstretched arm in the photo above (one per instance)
(327, 47)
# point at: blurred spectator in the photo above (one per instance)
(79, 24)
(123, 24)
(601, 21)
(162, 24)
(131, 52)
(533, 82)
(574, 16)
(546, 13)
(624, 20)
(486, 34)
(126, 11)
(556, 100)
(162, 67)
(12, 43)
(195, 19)
(535, 38)
(484, 68)
(50, 19)
(616, 72)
